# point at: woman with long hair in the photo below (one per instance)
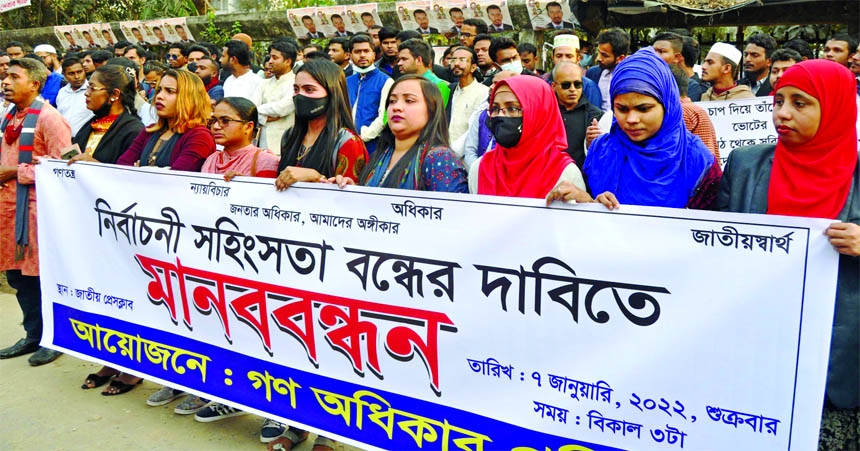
(813, 171)
(648, 157)
(179, 139)
(413, 150)
(323, 142)
(114, 125)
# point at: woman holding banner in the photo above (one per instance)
(234, 126)
(530, 156)
(179, 139)
(813, 171)
(323, 143)
(648, 157)
(110, 97)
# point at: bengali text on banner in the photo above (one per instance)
(394, 319)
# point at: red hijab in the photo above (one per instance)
(533, 166)
(814, 179)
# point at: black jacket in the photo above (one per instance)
(576, 121)
(117, 139)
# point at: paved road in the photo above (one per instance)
(44, 409)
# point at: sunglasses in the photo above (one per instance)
(173, 57)
(566, 84)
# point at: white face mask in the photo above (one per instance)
(367, 69)
(514, 66)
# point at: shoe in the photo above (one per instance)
(23, 346)
(96, 380)
(121, 387)
(271, 430)
(43, 356)
(217, 412)
(163, 396)
(190, 405)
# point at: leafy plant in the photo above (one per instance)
(217, 35)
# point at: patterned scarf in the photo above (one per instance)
(25, 134)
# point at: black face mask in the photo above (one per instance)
(308, 108)
(506, 130)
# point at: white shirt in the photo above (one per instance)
(72, 105)
(274, 99)
(243, 86)
(603, 84)
(463, 103)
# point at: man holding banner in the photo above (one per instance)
(32, 128)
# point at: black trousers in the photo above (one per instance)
(29, 294)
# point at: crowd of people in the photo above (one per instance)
(375, 109)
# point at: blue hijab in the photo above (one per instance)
(663, 170)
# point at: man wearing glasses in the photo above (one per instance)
(467, 95)
(177, 56)
(576, 112)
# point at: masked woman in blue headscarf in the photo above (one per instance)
(648, 157)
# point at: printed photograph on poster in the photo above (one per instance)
(91, 36)
(108, 37)
(495, 13)
(362, 17)
(303, 21)
(156, 32)
(448, 16)
(414, 16)
(330, 20)
(176, 30)
(66, 35)
(133, 32)
(551, 15)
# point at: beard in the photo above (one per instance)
(206, 80)
(103, 110)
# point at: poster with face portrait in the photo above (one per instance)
(330, 20)
(494, 13)
(550, 15)
(305, 23)
(133, 31)
(66, 35)
(157, 32)
(362, 17)
(415, 15)
(107, 34)
(449, 15)
(89, 36)
(175, 30)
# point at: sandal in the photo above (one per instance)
(121, 387)
(93, 380)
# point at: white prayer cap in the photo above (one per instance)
(566, 40)
(45, 48)
(729, 51)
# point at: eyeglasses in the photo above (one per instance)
(173, 57)
(92, 88)
(467, 35)
(509, 111)
(566, 84)
(224, 121)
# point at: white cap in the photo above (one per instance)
(45, 48)
(729, 51)
(566, 40)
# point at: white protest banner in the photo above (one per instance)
(740, 123)
(9, 5)
(396, 319)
